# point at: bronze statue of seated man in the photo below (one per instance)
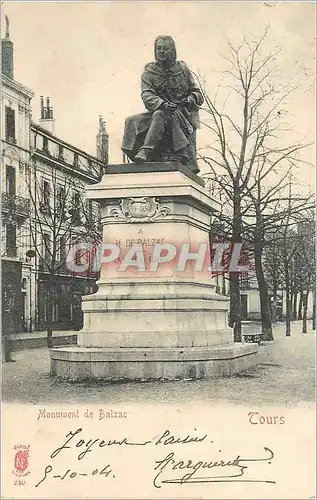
(167, 132)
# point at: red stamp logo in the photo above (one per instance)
(21, 460)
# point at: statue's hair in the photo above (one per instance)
(169, 39)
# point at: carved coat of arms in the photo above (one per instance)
(143, 209)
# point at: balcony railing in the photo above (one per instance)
(92, 168)
(16, 206)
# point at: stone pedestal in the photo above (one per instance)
(152, 319)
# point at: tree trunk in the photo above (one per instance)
(275, 286)
(314, 310)
(264, 297)
(49, 318)
(217, 290)
(273, 311)
(282, 306)
(300, 306)
(288, 313)
(223, 290)
(288, 298)
(305, 306)
(294, 306)
(234, 278)
(235, 307)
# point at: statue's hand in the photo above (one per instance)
(191, 101)
(169, 106)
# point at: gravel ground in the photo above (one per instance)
(284, 376)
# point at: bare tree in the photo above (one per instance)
(60, 218)
(289, 254)
(247, 153)
(304, 265)
(271, 207)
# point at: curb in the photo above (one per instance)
(37, 342)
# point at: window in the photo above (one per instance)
(9, 124)
(46, 247)
(62, 249)
(76, 201)
(45, 195)
(244, 281)
(60, 201)
(76, 209)
(10, 180)
(89, 209)
(28, 176)
(11, 240)
(244, 307)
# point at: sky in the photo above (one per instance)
(88, 57)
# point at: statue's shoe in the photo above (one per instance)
(141, 157)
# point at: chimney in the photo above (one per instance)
(42, 107)
(7, 52)
(102, 142)
(47, 121)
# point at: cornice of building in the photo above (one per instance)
(76, 172)
(18, 87)
(39, 129)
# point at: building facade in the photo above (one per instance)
(60, 217)
(44, 210)
(15, 207)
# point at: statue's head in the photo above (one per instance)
(164, 49)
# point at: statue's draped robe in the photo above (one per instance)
(159, 85)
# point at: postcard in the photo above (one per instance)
(158, 250)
